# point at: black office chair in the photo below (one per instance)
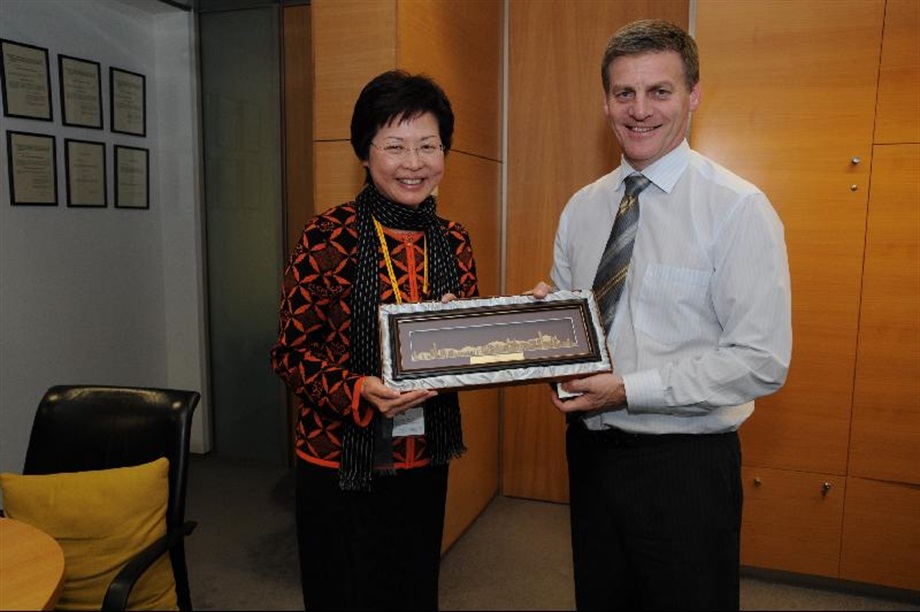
(79, 428)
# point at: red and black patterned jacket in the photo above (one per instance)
(313, 341)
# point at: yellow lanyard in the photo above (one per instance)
(389, 262)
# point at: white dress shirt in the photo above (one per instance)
(703, 326)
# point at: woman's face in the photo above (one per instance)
(405, 160)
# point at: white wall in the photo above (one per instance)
(106, 296)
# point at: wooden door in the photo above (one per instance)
(885, 438)
(881, 531)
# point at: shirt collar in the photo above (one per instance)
(665, 172)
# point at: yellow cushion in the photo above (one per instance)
(101, 519)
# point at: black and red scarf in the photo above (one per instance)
(365, 449)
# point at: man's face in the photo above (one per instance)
(648, 105)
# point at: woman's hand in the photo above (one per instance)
(390, 402)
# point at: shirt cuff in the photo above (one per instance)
(644, 391)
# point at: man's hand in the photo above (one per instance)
(390, 402)
(599, 391)
(540, 291)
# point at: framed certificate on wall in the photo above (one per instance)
(128, 102)
(132, 177)
(85, 170)
(32, 169)
(81, 92)
(26, 81)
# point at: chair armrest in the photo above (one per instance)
(116, 597)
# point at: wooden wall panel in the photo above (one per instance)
(470, 193)
(353, 41)
(459, 45)
(473, 478)
(885, 437)
(339, 174)
(298, 120)
(890, 555)
(768, 119)
(533, 446)
(558, 141)
(898, 117)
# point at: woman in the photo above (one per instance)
(372, 462)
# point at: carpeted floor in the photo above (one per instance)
(243, 554)
(515, 556)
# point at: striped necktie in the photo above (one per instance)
(611, 272)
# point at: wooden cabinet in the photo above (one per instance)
(788, 512)
(881, 538)
(829, 129)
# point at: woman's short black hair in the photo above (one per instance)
(396, 94)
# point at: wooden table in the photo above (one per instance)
(31, 567)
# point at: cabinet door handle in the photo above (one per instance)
(825, 488)
(855, 160)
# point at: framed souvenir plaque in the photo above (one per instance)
(491, 341)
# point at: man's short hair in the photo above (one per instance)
(652, 36)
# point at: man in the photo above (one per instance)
(700, 328)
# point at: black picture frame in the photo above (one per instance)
(80, 88)
(32, 167)
(491, 341)
(26, 81)
(85, 172)
(132, 177)
(127, 102)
